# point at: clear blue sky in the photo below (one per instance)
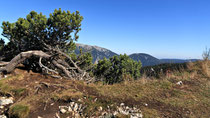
(162, 28)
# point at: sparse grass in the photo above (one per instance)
(150, 113)
(19, 111)
(67, 95)
(163, 96)
(205, 68)
(19, 91)
(5, 88)
(122, 116)
(192, 95)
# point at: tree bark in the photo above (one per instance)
(72, 72)
(20, 58)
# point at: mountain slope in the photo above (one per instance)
(177, 60)
(97, 52)
(146, 60)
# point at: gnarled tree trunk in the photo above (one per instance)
(59, 64)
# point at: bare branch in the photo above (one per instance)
(20, 58)
(3, 63)
(41, 65)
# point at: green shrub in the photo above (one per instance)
(113, 69)
(19, 111)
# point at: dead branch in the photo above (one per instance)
(20, 58)
(68, 57)
(2, 63)
(45, 67)
(66, 72)
(56, 64)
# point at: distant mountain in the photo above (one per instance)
(97, 52)
(146, 60)
(177, 60)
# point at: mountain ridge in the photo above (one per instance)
(146, 59)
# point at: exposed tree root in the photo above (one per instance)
(54, 65)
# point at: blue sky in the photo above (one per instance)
(162, 28)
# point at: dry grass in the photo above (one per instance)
(205, 68)
(19, 111)
(164, 97)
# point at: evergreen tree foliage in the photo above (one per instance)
(114, 68)
(60, 30)
(83, 60)
(2, 43)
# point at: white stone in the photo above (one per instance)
(39, 117)
(79, 100)
(69, 109)
(80, 107)
(139, 115)
(115, 113)
(77, 115)
(125, 112)
(5, 101)
(132, 116)
(179, 83)
(96, 99)
(75, 107)
(146, 104)
(62, 110)
(3, 116)
(57, 116)
(122, 104)
(120, 109)
(1, 107)
(100, 108)
(71, 104)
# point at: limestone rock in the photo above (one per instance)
(3, 116)
(62, 110)
(179, 83)
(75, 107)
(70, 109)
(100, 108)
(72, 104)
(122, 104)
(5, 101)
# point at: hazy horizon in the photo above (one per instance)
(178, 29)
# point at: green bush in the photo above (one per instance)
(113, 69)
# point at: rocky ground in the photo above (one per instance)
(183, 94)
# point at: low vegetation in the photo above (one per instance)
(19, 111)
(34, 93)
(117, 69)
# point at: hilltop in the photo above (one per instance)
(178, 94)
